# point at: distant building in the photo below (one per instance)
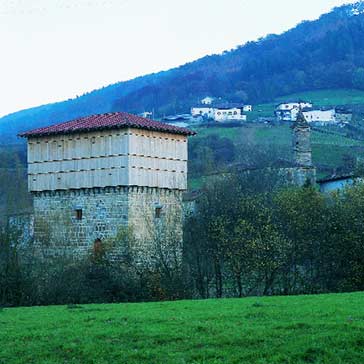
(208, 100)
(293, 105)
(183, 119)
(343, 115)
(177, 118)
(222, 112)
(204, 111)
(229, 112)
(288, 111)
(319, 116)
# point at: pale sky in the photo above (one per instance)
(51, 50)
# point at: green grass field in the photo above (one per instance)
(269, 330)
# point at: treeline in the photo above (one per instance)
(249, 235)
(213, 154)
(14, 196)
(245, 240)
(29, 275)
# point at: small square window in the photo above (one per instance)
(79, 214)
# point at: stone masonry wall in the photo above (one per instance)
(105, 212)
(302, 152)
(158, 234)
(299, 176)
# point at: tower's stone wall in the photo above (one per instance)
(299, 176)
(156, 238)
(148, 214)
(304, 170)
(302, 145)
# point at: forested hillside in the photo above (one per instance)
(327, 53)
(321, 54)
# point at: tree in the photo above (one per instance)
(300, 216)
(12, 281)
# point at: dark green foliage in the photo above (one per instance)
(252, 235)
(11, 274)
(14, 196)
(210, 154)
(25, 279)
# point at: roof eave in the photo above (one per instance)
(116, 127)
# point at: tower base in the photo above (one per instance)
(141, 222)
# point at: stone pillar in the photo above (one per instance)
(302, 151)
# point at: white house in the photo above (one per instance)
(205, 111)
(208, 100)
(319, 116)
(229, 113)
(287, 111)
(293, 105)
(221, 112)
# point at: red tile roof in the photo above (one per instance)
(116, 120)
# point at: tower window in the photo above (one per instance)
(158, 212)
(78, 214)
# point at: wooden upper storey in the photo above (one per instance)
(107, 150)
(106, 158)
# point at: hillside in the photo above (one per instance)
(324, 54)
(217, 149)
(301, 329)
(350, 98)
(254, 145)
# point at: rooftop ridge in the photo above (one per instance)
(111, 120)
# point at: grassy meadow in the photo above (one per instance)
(265, 330)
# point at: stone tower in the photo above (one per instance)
(302, 151)
(100, 177)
